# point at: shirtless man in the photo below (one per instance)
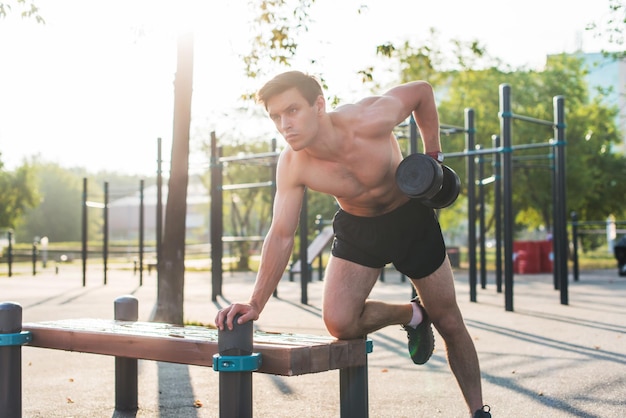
(352, 154)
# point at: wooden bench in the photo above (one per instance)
(280, 354)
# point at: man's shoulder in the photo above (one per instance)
(290, 157)
(355, 107)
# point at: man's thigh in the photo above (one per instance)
(437, 292)
(346, 287)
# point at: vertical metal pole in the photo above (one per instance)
(498, 210)
(10, 253)
(560, 235)
(217, 221)
(84, 232)
(470, 132)
(305, 271)
(159, 209)
(353, 386)
(575, 244)
(105, 230)
(235, 387)
(126, 308)
(505, 134)
(10, 362)
(34, 258)
(273, 167)
(481, 219)
(141, 237)
(555, 214)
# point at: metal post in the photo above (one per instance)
(141, 240)
(10, 361)
(305, 271)
(481, 219)
(273, 168)
(471, 201)
(159, 209)
(10, 253)
(498, 211)
(353, 387)
(575, 244)
(105, 231)
(560, 233)
(217, 221)
(235, 387)
(84, 232)
(126, 308)
(507, 172)
(34, 258)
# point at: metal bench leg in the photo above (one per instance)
(235, 386)
(10, 360)
(126, 308)
(354, 392)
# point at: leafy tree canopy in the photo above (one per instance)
(26, 9)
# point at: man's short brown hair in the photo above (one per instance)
(307, 85)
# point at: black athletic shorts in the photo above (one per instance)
(409, 237)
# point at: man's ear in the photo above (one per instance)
(320, 104)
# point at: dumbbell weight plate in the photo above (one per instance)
(449, 190)
(419, 176)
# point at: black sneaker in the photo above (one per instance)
(483, 412)
(421, 339)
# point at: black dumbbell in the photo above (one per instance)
(421, 177)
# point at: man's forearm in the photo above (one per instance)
(274, 259)
(427, 118)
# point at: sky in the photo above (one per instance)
(93, 87)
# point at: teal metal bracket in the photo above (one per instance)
(237, 363)
(19, 338)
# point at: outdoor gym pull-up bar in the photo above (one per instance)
(503, 165)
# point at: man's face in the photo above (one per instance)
(294, 117)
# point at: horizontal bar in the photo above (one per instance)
(242, 239)
(95, 204)
(599, 231)
(532, 120)
(498, 150)
(249, 157)
(247, 185)
(583, 223)
(458, 128)
(486, 181)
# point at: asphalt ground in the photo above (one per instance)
(543, 359)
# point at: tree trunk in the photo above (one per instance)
(171, 272)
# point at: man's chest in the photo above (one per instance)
(351, 177)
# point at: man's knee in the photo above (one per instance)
(449, 324)
(341, 328)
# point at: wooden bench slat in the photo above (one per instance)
(282, 354)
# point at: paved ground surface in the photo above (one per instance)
(543, 359)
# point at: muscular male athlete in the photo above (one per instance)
(352, 154)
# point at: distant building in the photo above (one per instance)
(124, 214)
